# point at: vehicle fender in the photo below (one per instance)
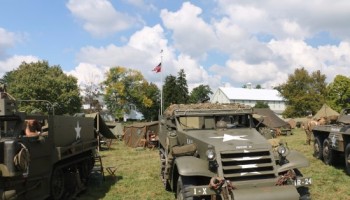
(192, 166)
(296, 160)
(4, 171)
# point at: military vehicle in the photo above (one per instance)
(43, 156)
(332, 141)
(213, 151)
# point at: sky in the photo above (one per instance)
(217, 43)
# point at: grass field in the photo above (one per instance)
(137, 174)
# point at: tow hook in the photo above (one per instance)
(217, 183)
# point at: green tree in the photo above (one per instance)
(182, 88)
(200, 94)
(91, 94)
(150, 113)
(125, 87)
(39, 81)
(304, 92)
(175, 89)
(169, 91)
(258, 86)
(261, 104)
(339, 93)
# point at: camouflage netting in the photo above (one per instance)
(203, 106)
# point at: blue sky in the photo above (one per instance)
(217, 43)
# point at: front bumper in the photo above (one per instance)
(227, 191)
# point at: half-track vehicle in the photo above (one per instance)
(332, 140)
(213, 151)
(43, 156)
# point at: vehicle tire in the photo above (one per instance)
(182, 192)
(303, 191)
(318, 150)
(347, 159)
(57, 184)
(163, 165)
(327, 152)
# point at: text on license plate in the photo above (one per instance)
(303, 182)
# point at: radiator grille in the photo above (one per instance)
(243, 166)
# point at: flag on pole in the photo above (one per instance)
(158, 68)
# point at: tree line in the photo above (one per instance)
(122, 88)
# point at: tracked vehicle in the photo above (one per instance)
(43, 156)
(213, 151)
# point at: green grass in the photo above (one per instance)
(138, 174)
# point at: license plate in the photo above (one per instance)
(302, 182)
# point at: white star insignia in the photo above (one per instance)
(77, 130)
(228, 137)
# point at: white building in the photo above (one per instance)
(250, 97)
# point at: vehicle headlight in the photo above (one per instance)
(210, 153)
(282, 150)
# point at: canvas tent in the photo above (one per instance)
(135, 133)
(270, 119)
(117, 129)
(325, 111)
(101, 126)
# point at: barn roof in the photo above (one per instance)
(251, 94)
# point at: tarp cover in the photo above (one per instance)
(270, 118)
(325, 111)
(101, 126)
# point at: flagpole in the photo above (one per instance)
(161, 82)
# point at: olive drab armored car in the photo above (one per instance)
(213, 151)
(332, 140)
(43, 156)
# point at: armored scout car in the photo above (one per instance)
(43, 156)
(332, 141)
(213, 151)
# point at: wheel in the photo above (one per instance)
(318, 152)
(57, 184)
(328, 153)
(347, 158)
(181, 189)
(163, 164)
(303, 191)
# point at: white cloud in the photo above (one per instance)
(100, 18)
(235, 35)
(313, 16)
(141, 52)
(191, 34)
(7, 39)
(141, 4)
(14, 62)
(87, 73)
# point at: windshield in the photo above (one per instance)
(9, 127)
(216, 122)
